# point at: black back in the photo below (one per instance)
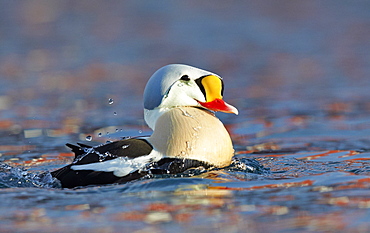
(84, 154)
(130, 148)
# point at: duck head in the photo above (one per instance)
(178, 85)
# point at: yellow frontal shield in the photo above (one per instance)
(213, 87)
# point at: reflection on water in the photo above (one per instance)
(297, 71)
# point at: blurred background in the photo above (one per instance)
(60, 61)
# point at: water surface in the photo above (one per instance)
(297, 71)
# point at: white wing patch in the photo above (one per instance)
(121, 166)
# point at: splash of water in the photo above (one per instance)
(11, 177)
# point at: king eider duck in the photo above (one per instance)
(179, 106)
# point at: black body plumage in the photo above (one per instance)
(128, 148)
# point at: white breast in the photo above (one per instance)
(188, 132)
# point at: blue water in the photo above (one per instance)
(297, 71)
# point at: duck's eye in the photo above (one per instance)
(185, 78)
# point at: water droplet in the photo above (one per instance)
(115, 113)
(110, 101)
(140, 131)
(88, 138)
(185, 113)
(197, 128)
(107, 154)
(188, 145)
(117, 130)
(99, 135)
